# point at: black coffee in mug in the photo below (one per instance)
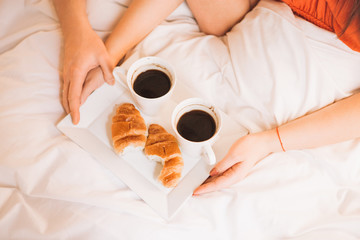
(196, 126)
(152, 84)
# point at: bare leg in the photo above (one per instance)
(216, 17)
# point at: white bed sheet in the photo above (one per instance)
(271, 68)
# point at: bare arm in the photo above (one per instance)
(83, 51)
(334, 123)
(72, 16)
(138, 21)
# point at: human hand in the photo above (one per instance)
(93, 81)
(83, 51)
(238, 162)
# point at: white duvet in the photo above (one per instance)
(271, 68)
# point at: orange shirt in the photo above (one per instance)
(331, 15)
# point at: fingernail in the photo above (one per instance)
(75, 120)
(196, 192)
(214, 172)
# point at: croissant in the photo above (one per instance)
(161, 146)
(128, 129)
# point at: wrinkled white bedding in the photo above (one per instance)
(271, 68)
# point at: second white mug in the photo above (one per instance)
(207, 124)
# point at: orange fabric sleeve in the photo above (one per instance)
(331, 15)
(341, 11)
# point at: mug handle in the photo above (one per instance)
(209, 154)
(120, 76)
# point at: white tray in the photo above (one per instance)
(93, 133)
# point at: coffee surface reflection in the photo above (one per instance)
(196, 126)
(152, 84)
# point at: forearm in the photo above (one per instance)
(72, 16)
(332, 124)
(139, 20)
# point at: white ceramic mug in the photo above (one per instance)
(149, 106)
(192, 148)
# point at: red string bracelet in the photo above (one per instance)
(277, 131)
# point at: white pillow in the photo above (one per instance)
(284, 71)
